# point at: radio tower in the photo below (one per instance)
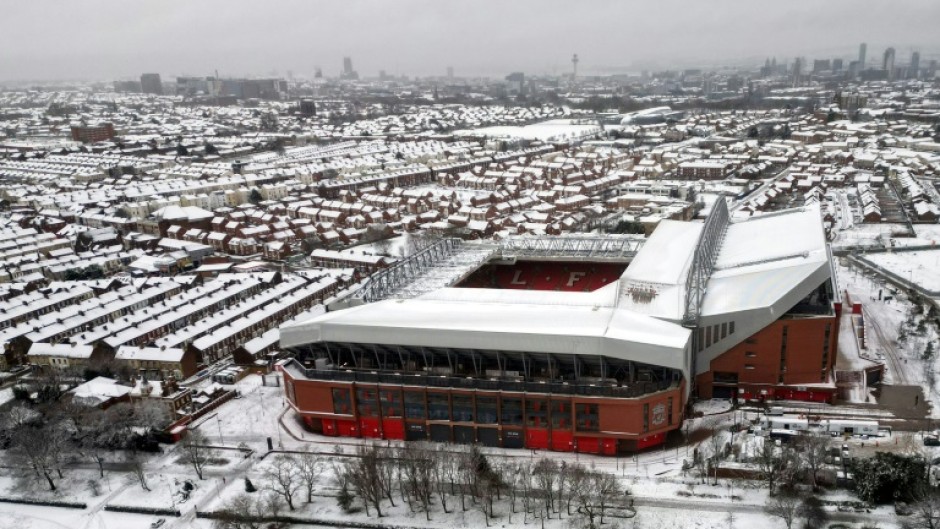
(574, 62)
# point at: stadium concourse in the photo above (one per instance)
(577, 350)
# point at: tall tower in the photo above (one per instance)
(915, 65)
(888, 63)
(862, 50)
(574, 63)
(797, 71)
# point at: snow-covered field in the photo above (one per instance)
(552, 130)
(920, 267)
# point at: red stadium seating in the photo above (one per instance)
(546, 275)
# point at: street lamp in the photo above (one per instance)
(218, 421)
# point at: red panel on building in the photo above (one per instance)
(536, 439)
(370, 428)
(588, 445)
(609, 447)
(650, 440)
(806, 396)
(394, 429)
(329, 428)
(347, 428)
(562, 441)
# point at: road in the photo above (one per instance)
(846, 215)
(686, 504)
(760, 190)
(897, 366)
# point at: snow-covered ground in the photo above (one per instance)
(902, 352)
(552, 130)
(920, 267)
(6, 395)
(665, 495)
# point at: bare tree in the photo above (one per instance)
(387, 469)
(246, 511)
(309, 469)
(814, 514)
(444, 469)
(814, 449)
(41, 447)
(196, 452)
(776, 466)
(608, 490)
(785, 506)
(93, 435)
(587, 498)
(485, 503)
(717, 444)
(545, 473)
(136, 463)
(577, 475)
(283, 478)
(562, 483)
(364, 475)
(700, 460)
(926, 512)
(417, 472)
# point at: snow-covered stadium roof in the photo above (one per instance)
(765, 265)
(508, 326)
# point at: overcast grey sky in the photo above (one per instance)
(107, 39)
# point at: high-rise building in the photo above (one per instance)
(915, 65)
(450, 72)
(837, 65)
(348, 72)
(888, 63)
(862, 50)
(797, 72)
(821, 65)
(854, 69)
(150, 83)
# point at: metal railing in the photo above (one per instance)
(408, 269)
(577, 246)
(703, 261)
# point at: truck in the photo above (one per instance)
(850, 427)
(785, 422)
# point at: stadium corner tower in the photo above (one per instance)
(585, 343)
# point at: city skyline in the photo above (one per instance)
(421, 38)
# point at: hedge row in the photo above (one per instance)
(46, 503)
(217, 515)
(156, 511)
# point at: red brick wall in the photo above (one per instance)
(762, 352)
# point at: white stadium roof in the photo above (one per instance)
(765, 266)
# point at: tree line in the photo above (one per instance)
(43, 439)
(431, 478)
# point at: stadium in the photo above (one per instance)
(593, 344)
